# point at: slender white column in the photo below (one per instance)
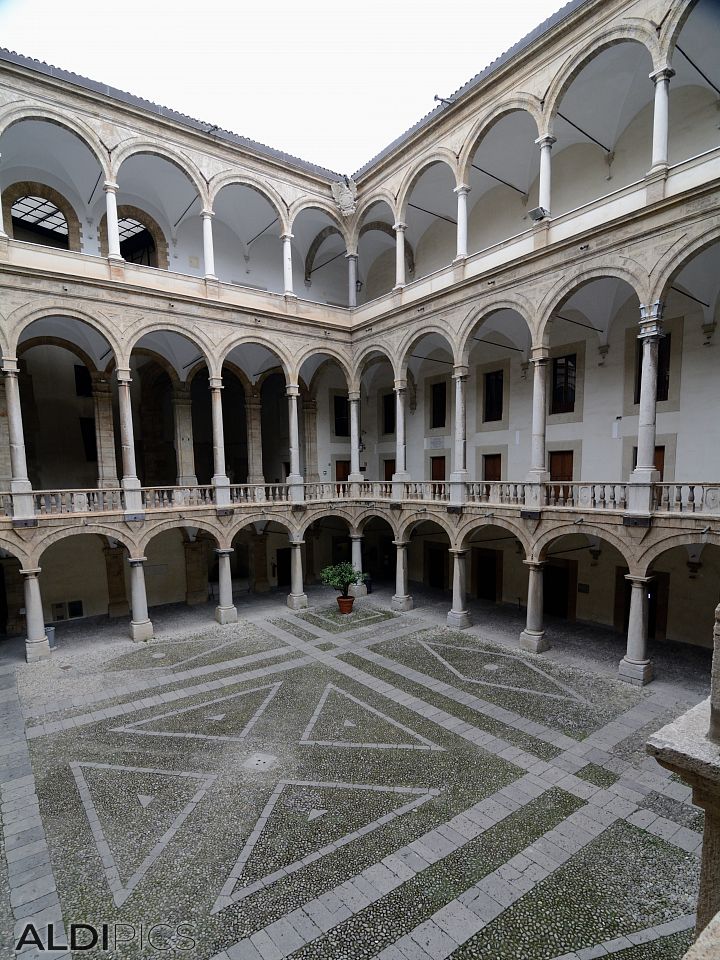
(533, 636)
(287, 264)
(208, 248)
(184, 442)
(127, 435)
(462, 221)
(293, 392)
(216, 388)
(312, 470)
(459, 617)
(111, 216)
(401, 600)
(714, 732)
(225, 612)
(651, 331)
(36, 644)
(3, 234)
(296, 599)
(400, 396)
(538, 467)
(661, 79)
(356, 539)
(545, 180)
(141, 627)
(459, 475)
(18, 460)
(354, 403)
(352, 262)
(400, 229)
(635, 667)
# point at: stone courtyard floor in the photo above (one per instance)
(310, 786)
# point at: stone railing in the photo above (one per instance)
(334, 490)
(93, 500)
(493, 491)
(6, 508)
(258, 493)
(687, 498)
(433, 490)
(590, 496)
(375, 490)
(173, 498)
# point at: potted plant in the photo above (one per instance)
(340, 576)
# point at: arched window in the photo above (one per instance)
(36, 220)
(136, 242)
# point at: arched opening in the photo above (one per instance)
(496, 575)
(181, 567)
(379, 413)
(246, 236)
(327, 541)
(430, 566)
(12, 597)
(603, 125)
(50, 181)
(378, 553)
(429, 409)
(320, 248)
(431, 217)
(141, 238)
(234, 426)
(503, 177)
(261, 560)
(683, 591)
(376, 253)
(325, 415)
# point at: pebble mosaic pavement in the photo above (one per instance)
(310, 786)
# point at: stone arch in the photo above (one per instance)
(14, 114)
(68, 345)
(385, 228)
(478, 315)
(138, 146)
(416, 335)
(632, 30)
(541, 544)
(225, 348)
(381, 194)
(329, 231)
(672, 26)
(235, 370)
(689, 538)
(229, 179)
(466, 529)
(32, 188)
(363, 358)
(141, 328)
(94, 527)
(332, 353)
(407, 525)
(162, 362)
(151, 225)
(440, 155)
(20, 319)
(26, 557)
(322, 513)
(218, 533)
(293, 532)
(365, 516)
(523, 102)
(678, 257)
(326, 207)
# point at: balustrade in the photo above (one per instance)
(687, 498)
(432, 490)
(173, 498)
(92, 500)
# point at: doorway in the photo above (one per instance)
(488, 574)
(560, 589)
(389, 469)
(283, 566)
(342, 470)
(561, 466)
(437, 469)
(436, 565)
(492, 467)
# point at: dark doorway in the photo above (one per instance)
(283, 566)
(488, 574)
(559, 588)
(341, 550)
(389, 466)
(3, 603)
(492, 467)
(437, 469)
(342, 470)
(436, 556)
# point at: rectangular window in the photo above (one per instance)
(89, 438)
(493, 396)
(439, 405)
(564, 379)
(342, 416)
(388, 402)
(83, 381)
(663, 374)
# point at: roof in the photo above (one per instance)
(39, 66)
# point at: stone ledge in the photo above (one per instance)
(707, 946)
(683, 746)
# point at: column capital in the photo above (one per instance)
(224, 551)
(10, 366)
(460, 372)
(458, 551)
(663, 74)
(215, 383)
(292, 390)
(109, 186)
(399, 227)
(546, 141)
(206, 213)
(354, 396)
(296, 543)
(535, 564)
(399, 385)
(351, 255)
(651, 315)
(638, 581)
(136, 561)
(401, 544)
(286, 236)
(357, 536)
(123, 375)
(30, 571)
(540, 358)
(462, 188)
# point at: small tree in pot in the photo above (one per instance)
(340, 576)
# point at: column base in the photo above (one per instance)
(357, 590)
(534, 641)
(458, 487)
(222, 491)
(401, 603)
(297, 601)
(459, 619)
(296, 488)
(189, 481)
(132, 495)
(226, 614)
(637, 672)
(23, 506)
(141, 631)
(37, 650)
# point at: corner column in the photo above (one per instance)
(36, 643)
(533, 636)
(661, 118)
(208, 247)
(220, 479)
(635, 667)
(104, 432)
(402, 600)
(356, 539)
(462, 221)
(141, 627)
(459, 475)
(226, 611)
(295, 480)
(458, 616)
(352, 262)
(545, 180)
(111, 216)
(399, 229)
(130, 482)
(296, 599)
(20, 487)
(640, 491)
(287, 264)
(184, 441)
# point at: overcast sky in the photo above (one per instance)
(331, 83)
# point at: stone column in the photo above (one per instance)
(661, 79)
(402, 600)
(352, 262)
(538, 474)
(458, 616)
(357, 589)
(635, 667)
(545, 180)
(462, 220)
(196, 572)
(208, 249)
(20, 487)
(111, 216)
(130, 482)
(287, 264)
(261, 584)
(401, 474)
(104, 432)
(399, 229)
(253, 418)
(296, 599)
(220, 479)
(640, 490)
(118, 605)
(310, 409)
(714, 733)
(3, 234)
(36, 644)
(184, 442)
(5, 468)
(354, 403)
(295, 480)
(141, 627)
(225, 612)
(708, 905)
(533, 636)
(459, 475)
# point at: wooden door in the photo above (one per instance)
(561, 465)
(342, 470)
(659, 460)
(437, 469)
(389, 466)
(492, 467)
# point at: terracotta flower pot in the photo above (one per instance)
(345, 604)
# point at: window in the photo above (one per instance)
(342, 416)
(438, 414)
(136, 242)
(83, 381)
(388, 402)
(663, 372)
(36, 220)
(564, 378)
(493, 396)
(89, 438)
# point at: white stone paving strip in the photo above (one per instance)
(649, 935)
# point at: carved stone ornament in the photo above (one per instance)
(345, 194)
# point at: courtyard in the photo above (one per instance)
(309, 785)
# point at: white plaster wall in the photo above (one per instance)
(330, 448)
(74, 569)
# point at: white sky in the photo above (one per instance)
(331, 83)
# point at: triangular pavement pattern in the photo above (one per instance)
(492, 668)
(129, 839)
(342, 720)
(238, 715)
(307, 820)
